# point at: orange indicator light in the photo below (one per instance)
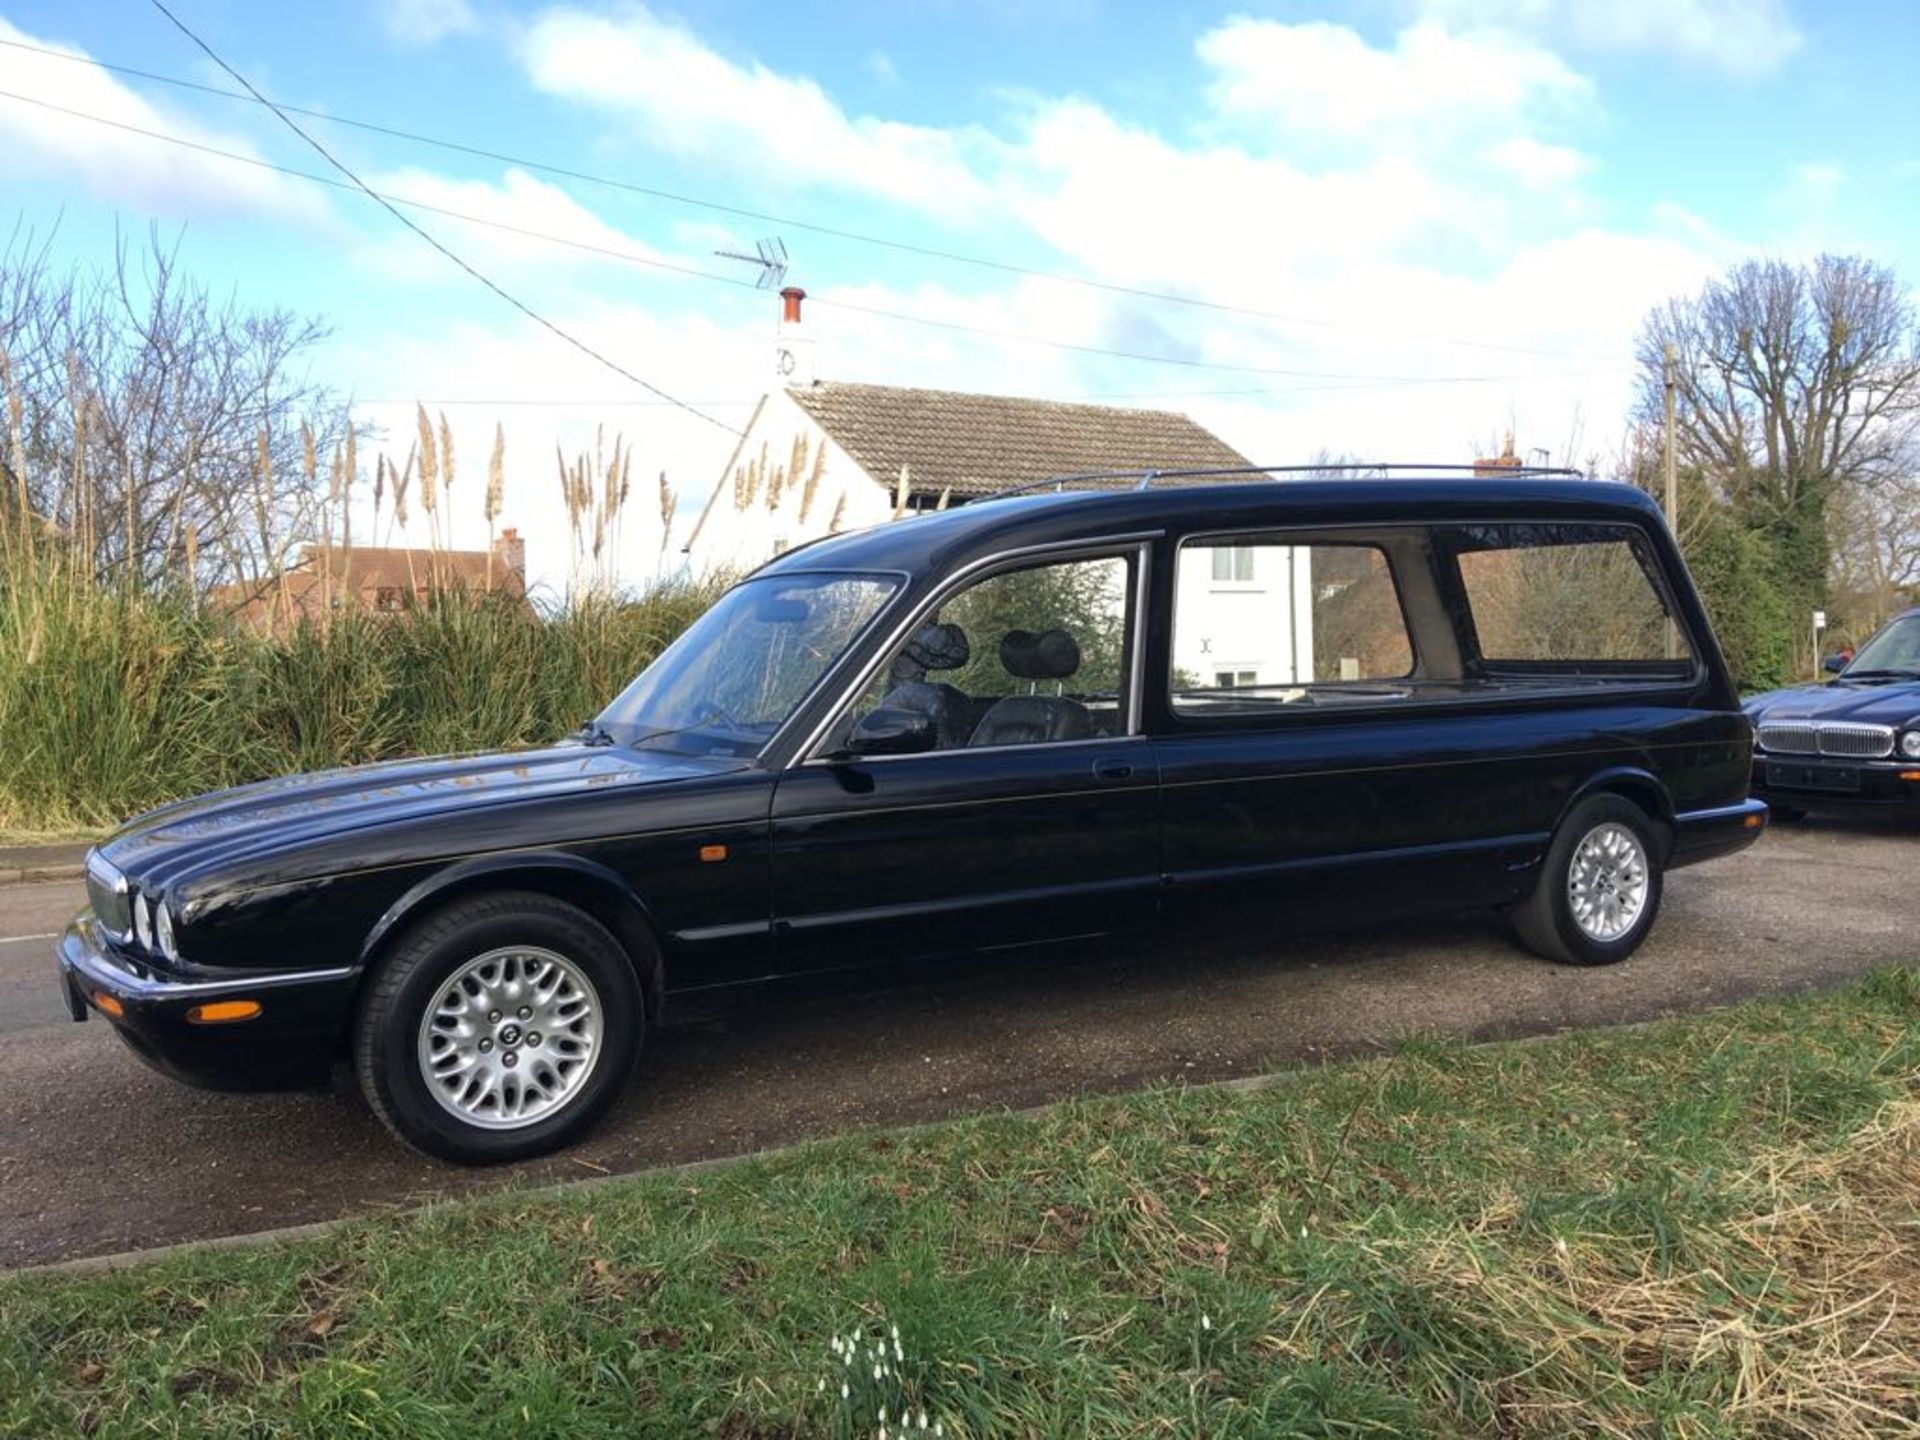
(108, 1004)
(223, 1012)
(710, 853)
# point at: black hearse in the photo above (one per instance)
(1183, 703)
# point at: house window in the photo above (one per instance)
(1233, 564)
(390, 598)
(1234, 679)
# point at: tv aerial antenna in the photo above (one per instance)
(770, 255)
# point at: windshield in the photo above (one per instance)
(735, 675)
(1895, 650)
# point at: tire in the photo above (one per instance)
(1626, 845)
(505, 1089)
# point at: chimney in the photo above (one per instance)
(793, 349)
(511, 551)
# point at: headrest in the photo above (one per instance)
(939, 647)
(1048, 655)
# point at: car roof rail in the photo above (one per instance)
(1146, 479)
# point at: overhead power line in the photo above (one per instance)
(525, 309)
(390, 201)
(908, 247)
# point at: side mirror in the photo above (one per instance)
(892, 731)
(1834, 664)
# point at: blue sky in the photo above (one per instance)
(1453, 212)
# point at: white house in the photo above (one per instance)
(820, 457)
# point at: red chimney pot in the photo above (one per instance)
(790, 310)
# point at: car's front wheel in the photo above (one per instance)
(499, 1028)
(1599, 887)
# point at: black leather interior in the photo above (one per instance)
(1033, 719)
(933, 647)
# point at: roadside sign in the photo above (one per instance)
(1819, 619)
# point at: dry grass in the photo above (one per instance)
(1704, 1228)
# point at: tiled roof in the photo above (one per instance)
(978, 444)
(371, 566)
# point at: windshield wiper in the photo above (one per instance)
(1880, 674)
(594, 733)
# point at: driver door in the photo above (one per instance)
(1035, 816)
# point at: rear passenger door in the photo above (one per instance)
(1036, 817)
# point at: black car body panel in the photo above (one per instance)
(716, 868)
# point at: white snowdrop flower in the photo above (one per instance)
(923, 1419)
(898, 1353)
(896, 1334)
(820, 1388)
(1303, 1232)
(1206, 1323)
(844, 1392)
(876, 1372)
(883, 1414)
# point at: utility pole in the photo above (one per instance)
(1667, 384)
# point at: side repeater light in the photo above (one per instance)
(223, 1012)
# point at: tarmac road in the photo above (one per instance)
(99, 1154)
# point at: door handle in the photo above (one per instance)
(1112, 770)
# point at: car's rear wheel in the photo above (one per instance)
(1599, 887)
(499, 1028)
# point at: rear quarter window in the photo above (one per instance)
(1567, 598)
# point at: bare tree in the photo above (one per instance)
(1795, 385)
(1877, 552)
(161, 429)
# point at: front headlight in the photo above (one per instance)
(1910, 744)
(163, 932)
(143, 921)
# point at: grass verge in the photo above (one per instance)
(1706, 1227)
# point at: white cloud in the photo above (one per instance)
(423, 22)
(519, 201)
(1536, 164)
(1741, 37)
(1407, 207)
(683, 97)
(1319, 79)
(116, 164)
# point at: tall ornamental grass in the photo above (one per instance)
(113, 700)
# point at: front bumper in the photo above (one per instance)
(294, 1040)
(1814, 782)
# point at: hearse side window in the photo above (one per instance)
(1303, 625)
(1558, 601)
(1024, 657)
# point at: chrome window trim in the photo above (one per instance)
(1663, 588)
(1138, 543)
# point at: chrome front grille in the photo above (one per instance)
(1844, 739)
